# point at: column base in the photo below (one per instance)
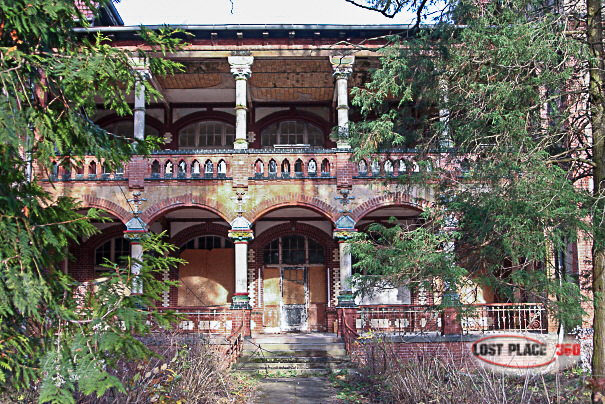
(342, 144)
(346, 299)
(240, 144)
(241, 302)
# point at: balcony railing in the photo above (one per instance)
(419, 320)
(205, 320)
(506, 317)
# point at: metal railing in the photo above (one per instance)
(402, 320)
(206, 320)
(505, 317)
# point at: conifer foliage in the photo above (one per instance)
(57, 335)
(498, 101)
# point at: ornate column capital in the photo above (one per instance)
(241, 235)
(344, 234)
(342, 66)
(241, 66)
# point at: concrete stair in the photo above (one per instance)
(294, 354)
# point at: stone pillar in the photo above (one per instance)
(140, 66)
(345, 298)
(342, 67)
(240, 68)
(240, 239)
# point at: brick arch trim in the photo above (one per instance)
(301, 229)
(149, 120)
(189, 200)
(201, 229)
(111, 207)
(387, 200)
(292, 199)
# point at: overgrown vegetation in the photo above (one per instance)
(383, 377)
(57, 335)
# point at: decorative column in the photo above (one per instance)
(345, 231)
(240, 68)
(135, 231)
(342, 67)
(140, 66)
(241, 234)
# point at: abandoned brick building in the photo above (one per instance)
(255, 194)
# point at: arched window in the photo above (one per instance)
(312, 168)
(92, 170)
(168, 169)
(155, 169)
(298, 168)
(292, 133)
(221, 168)
(403, 167)
(285, 168)
(259, 168)
(375, 168)
(54, 170)
(388, 167)
(362, 168)
(126, 129)
(272, 168)
(195, 169)
(182, 173)
(208, 169)
(116, 250)
(293, 250)
(207, 135)
(325, 168)
(207, 243)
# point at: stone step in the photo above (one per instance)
(294, 359)
(269, 351)
(299, 347)
(286, 339)
(288, 372)
(292, 366)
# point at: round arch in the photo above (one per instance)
(202, 116)
(104, 204)
(202, 229)
(292, 200)
(295, 115)
(153, 212)
(149, 120)
(388, 200)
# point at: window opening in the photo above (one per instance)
(206, 135)
(292, 133)
(293, 250)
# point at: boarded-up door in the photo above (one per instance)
(208, 278)
(318, 298)
(271, 298)
(294, 299)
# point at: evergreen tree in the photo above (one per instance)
(55, 333)
(511, 94)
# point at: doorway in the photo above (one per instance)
(295, 299)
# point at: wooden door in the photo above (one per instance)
(294, 299)
(271, 298)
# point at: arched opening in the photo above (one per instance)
(312, 168)
(388, 167)
(298, 168)
(125, 128)
(362, 168)
(113, 252)
(195, 169)
(259, 168)
(168, 169)
(155, 169)
(375, 168)
(208, 169)
(182, 169)
(285, 169)
(272, 169)
(221, 169)
(92, 170)
(325, 168)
